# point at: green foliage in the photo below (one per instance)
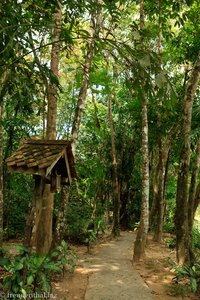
(90, 238)
(78, 217)
(94, 227)
(169, 225)
(65, 258)
(25, 38)
(2, 252)
(18, 196)
(28, 273)
(99, 225)
(191, 274)
(196, 238)
(171, 243)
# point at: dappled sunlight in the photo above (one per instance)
(59, 287)
(114, 268)
(120, 281)
(95, 266)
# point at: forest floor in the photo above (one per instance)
(106, 273)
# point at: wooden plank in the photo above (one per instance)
(49, 169)
(24, 170)
(11, 163)
(68, 168)
(20, 163)
(46, 142)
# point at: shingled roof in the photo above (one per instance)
(40, 157)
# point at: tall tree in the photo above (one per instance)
(1, 171)
(191, 198)
(140, 243)
(115, 181)
(95, 26)
(182, 235)
(42, 210)
(161, 165)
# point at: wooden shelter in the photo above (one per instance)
(50, 159)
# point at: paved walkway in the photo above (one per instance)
(112, 276)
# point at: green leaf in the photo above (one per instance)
(18, 266)
(63, 260)
(55, 253)
(193, 283)
(23, 292)
(64, 244)
(4, 262)
(30, 279)
(15, 288)
(19, 280)
(21, 249)
(7, 282)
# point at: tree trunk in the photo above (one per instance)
(196, 199)
(96, 20)
(41, 216)
(191, 200)
(155, 176)
(94, 31)
(184, 163)
(61, 219)
(1, 171)
(115, 183)
(52, 89)
(160, 202)
(32, 221)
(140, 243)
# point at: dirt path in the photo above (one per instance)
(111, 274)
(107, 273)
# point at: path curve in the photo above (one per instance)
(112, 275)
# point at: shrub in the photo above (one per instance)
(29, 273)
(196, 238)
(171, 243)
(190, 275)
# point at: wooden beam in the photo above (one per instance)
(68, 168)
(25, 170)
(48, 170)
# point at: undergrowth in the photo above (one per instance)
(29, 274)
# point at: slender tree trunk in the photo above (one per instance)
(123, 184)
(1, 170)
(52, 89)
(196, 199)
(154, 206)
(184, 163)
(94, 31)
(116, 200)
(160, 212)
(140, 243)
(96, 20)
(191, 200)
